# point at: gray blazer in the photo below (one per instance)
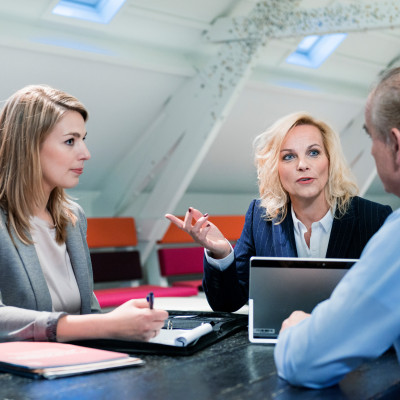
(25, 301)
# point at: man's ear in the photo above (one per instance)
(395, 143)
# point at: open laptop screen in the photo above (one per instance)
(279, 286)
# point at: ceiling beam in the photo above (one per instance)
(174, 146)
(82, 43)
(357, 150)
(172, 149)
(357, 145)
(271, 20)
(170, 152)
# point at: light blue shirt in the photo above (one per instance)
(319, 240)
(360, 321)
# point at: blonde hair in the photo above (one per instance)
(25, 121)
(341, 185)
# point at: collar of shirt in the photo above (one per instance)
(319, 239)
(326, 222)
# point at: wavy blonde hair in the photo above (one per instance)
(27, 118)
(341, 185)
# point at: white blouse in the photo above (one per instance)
(320, 234)
(56, 267)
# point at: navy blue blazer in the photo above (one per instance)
(228, 290)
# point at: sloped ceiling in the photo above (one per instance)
(127, 71)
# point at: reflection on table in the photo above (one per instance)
(230, 369)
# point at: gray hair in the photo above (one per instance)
(385, 104)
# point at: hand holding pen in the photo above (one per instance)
(150, 300)
(136, 320)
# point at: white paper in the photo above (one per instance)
(181, 337)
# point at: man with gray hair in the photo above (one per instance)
(361, 320)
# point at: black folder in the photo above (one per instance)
(224, 324)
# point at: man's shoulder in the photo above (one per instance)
(394, 217)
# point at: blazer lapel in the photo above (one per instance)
(76, 252)
(283, 238)
(342, 231)
(34, 271)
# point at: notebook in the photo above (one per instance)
(223, 324)
(279, 286)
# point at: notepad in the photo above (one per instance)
(223, 324)
(54, 360)
(181, 337)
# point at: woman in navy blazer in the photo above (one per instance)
(46, 283)
(308, 207)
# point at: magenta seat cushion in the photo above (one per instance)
(117, 296)
(196, 283)
(181, 261)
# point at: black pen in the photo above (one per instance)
(150, 299)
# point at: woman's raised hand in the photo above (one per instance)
(204, 232)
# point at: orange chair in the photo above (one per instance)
(178, 256)
(112, 242)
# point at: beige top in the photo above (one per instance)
(56, 267)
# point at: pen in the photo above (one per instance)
(150, 299)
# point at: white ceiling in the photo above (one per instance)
(126, 71)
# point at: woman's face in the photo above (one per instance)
(303, 164)
(63, 153)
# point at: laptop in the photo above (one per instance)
(281, 285)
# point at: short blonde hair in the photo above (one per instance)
(27, 118)
(341, 185)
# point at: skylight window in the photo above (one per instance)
(101, 11)
(313, 50)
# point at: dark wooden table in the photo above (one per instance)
(230, 369)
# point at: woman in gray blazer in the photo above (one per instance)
(46, 283)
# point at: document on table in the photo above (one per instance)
(53, 360)
(181, 337)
